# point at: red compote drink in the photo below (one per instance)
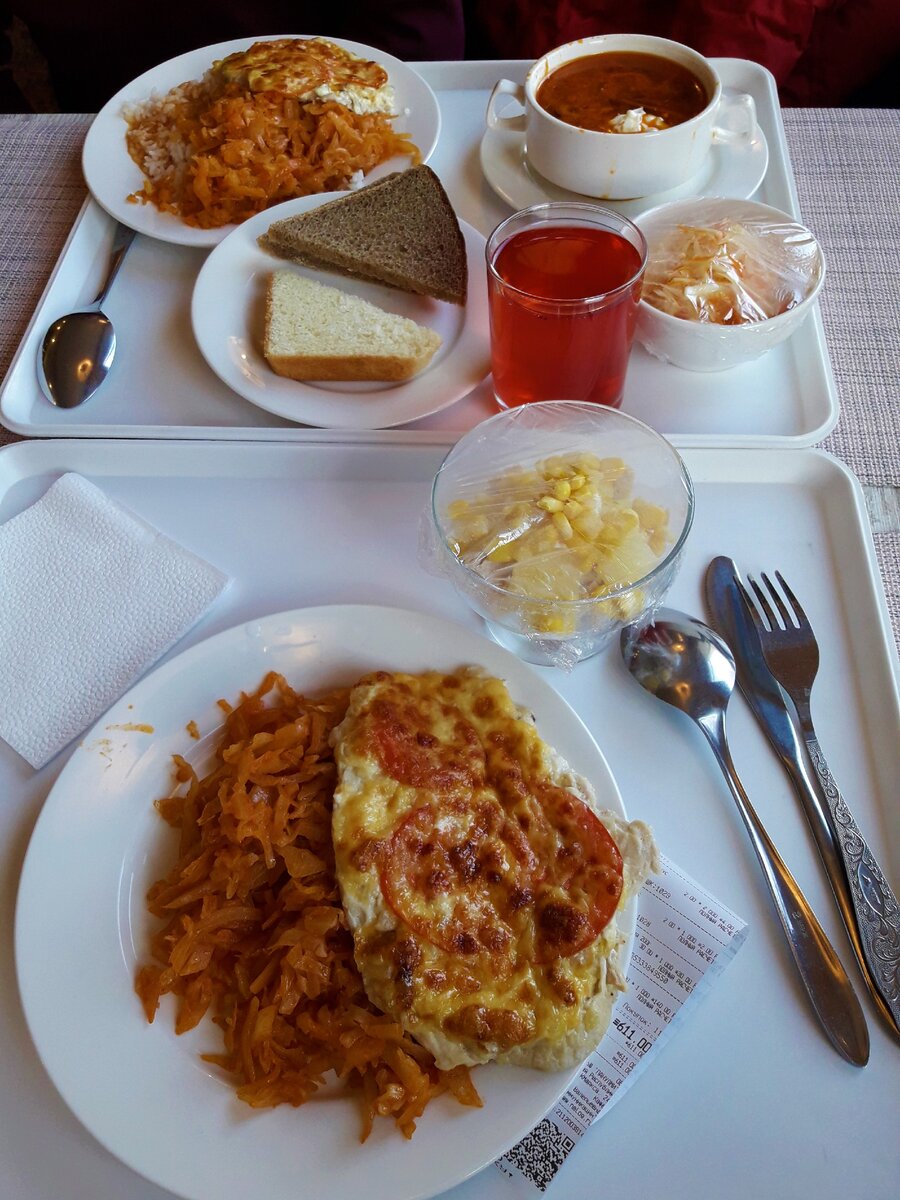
(563, 306)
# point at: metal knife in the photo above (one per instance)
(727, 613)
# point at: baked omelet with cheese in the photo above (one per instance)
(310, 69)
(479, 880)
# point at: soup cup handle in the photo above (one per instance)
(506, 87)
(739, 111)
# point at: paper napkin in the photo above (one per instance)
(90, 596)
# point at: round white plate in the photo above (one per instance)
(82, 928)
(228, 310)
(112, 175)
(734, 169)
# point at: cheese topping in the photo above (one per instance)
(310, 69)
(481, 892)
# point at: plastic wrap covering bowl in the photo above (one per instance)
(726, 281)
(559, 522)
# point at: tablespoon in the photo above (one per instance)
(78, 349)
(683, 662)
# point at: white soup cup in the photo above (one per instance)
(622, 166)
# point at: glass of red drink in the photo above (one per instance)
(564, 281)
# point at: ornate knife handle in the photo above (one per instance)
(875, 905)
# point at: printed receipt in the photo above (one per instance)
(684, 939)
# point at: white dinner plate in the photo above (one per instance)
(82, 929)
(112, 175)
(733, 169)
(228, 310)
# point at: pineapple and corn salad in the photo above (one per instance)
(566, 529)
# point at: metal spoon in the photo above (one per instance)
(683, 662)
(78, 349)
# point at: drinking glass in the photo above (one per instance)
(564, 282)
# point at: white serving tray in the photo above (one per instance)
(748, 1099)
(161, 387)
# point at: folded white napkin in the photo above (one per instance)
(90, 596)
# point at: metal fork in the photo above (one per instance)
(868, 906)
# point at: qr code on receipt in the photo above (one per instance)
(540, 1154)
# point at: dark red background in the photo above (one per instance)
(822, 52)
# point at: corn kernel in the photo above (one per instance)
(577, 482)
(550, 504)
(651, 515)
(563, 490)
(571, 508)
(563, 528)
(612, 468)
(588, 461)
(625, 608)
(554, 623)
(555, 468)
(518, 481)
(618, 525)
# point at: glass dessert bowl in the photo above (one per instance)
(560, 522)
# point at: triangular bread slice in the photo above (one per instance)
(401, 231)
(318, 332)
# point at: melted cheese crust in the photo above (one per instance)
(310, 69)
(439, 776)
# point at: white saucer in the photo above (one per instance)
(733, 169)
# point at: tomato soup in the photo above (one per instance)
(563, 309)
(590, 92)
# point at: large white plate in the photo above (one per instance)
(734, 169)
(228, 308)
(81, 929)
(112, 175)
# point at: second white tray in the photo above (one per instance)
(748, 1099)
(161, 387)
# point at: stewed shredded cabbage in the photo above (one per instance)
(254, 931)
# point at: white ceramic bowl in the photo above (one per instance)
(694, 345)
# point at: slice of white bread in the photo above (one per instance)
(318, 332)
(401, 231)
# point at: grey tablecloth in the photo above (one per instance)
(845, 163)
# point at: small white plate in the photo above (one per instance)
(734, 169)
(228, 309)
(112, 175)
(82, 928)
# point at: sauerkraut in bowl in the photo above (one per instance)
(726, 281)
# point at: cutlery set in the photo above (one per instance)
(767, 645)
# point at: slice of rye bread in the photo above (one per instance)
(401, 231)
